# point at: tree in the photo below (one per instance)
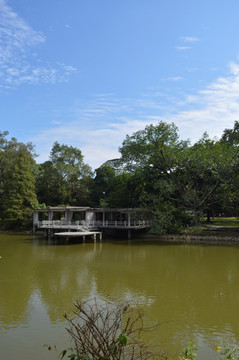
(209, 167)
(153, 155)
(231, 136)
(104, 176)
(157, 147)
(50, 185)
(17, 181)
(179, 182)
(115, 186)
(65, 178)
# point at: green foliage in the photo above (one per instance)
(39, 206)
(227, 352)
(114, 188)
(17, 182)
(65, 179)
(73, 354)
(231, 136)
(181, 182)
(178, 181)
(189, 352)
(49, 185)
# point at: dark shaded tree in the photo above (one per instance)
(17, 182)
(179, 182)
(65, 178)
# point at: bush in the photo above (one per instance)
(108, 330)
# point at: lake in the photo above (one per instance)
(191, 290)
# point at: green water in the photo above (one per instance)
(193, 291)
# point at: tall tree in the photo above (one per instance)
(179, 179)
(50, 185)
(65, 178)
(17, 181)
(231, 136)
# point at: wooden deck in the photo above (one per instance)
(73, 234)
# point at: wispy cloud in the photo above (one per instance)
(183, 48)
(189, 39)
(17, 63)
(100, 126)
(211, 109)
(175, 78)
(186, 43)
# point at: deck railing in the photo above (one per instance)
(85, 224)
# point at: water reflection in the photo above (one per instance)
(193, 291)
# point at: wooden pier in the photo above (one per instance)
(77, 234)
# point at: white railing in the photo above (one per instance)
(85, 224)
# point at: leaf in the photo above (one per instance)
(122, 339)
(63, 353)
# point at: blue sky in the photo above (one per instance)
(87, 72)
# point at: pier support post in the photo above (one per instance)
(94, 238)
(101, 237)
(129, 234)
(128, 218)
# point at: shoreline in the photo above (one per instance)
(211, 237)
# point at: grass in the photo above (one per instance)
(218, 227)
(231, 222)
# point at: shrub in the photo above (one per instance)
(108, 330)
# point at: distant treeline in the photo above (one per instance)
(178, 181)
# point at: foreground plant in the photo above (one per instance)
(189, 352)
(227, 352)
(108, 331)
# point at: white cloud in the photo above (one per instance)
(183, 48)
(189, 39)
(175, 78)
(185, 41)
(16, 36)
(17, 63)
(98, 136)
(97, 143)
(212, 109)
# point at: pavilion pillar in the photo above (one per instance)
(35, 220)
(50, 215)
(68, 215)
(128, 219)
